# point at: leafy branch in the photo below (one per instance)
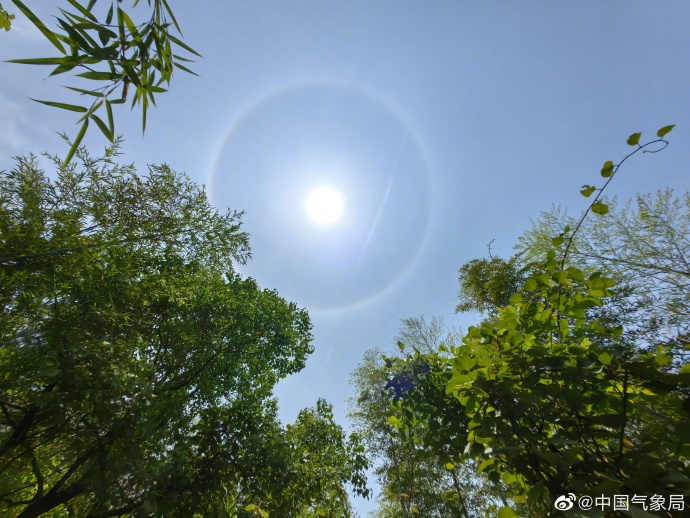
(118, 55)
(597, 206)
(609, 170)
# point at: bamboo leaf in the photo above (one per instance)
(64, 106)
(111, 120)
(172, 16)
(86, 92)
(104, 129)
(177, 65)
(183, 45)
(52, 37)
(83, 11)
(77, 141)
(100, 76)
(130, 25)
(38, 61)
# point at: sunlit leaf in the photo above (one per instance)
(600, 208)
(86, 92)
(634, 139)
(663, 131)
(75, 144)
(64, 106)
(183, 45)
(99, 76)
(103, 127)
(607, 170)
(587, 190)
(52, 37)
(83, 11)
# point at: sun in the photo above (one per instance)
(324, 205)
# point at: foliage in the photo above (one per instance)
(136, 365)
(550, 400)
(5, 19)
(115, 55)
(414, 477)
(487, 284)
(328, 462)
(643, 245)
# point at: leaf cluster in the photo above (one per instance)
(547, 398)
(136, 365)
(116, 55)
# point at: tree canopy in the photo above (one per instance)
(547, 395)
(137, 365)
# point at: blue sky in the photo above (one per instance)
(444, 125)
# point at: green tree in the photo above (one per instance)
(643, 245)
(116, 56)
(136, 365)
(329, 461)
(487, 284)
(550, 400)
(414, 476)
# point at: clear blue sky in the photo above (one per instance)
(443, 124)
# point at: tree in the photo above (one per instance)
(487, 284)
(415, 477)
(136, 365)
(117, 56)
(643, 245)
(328, 462)
(550, 400)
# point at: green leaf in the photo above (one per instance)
(685, 369)
(600, 208)
(38, 61)
(415, 510)
(100, 76)
(104, 129)
(177, 65)
(485, 464)
(587, 190)
(530, 285)
(634, 139)
(663, 131)
(506, 512)
(83, 11)
(104, 36)
(86, 92)
(109, 16)
(111, 121)
(607, 170)
(450, 466)
(606, 358)
(183, 45)
(76, 143)
(52, 37)
(130, 25)
(172, 16)
(557, 241)
(64, 106)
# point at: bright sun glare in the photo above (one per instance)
(324, 205)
